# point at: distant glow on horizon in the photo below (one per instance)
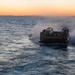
(37, 7)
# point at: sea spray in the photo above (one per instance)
(56, 25)
(35, 32)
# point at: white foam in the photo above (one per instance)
(35, 32)
(57, 26)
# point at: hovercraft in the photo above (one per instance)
(50, 36)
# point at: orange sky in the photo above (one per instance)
(37, 7)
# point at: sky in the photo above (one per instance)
(37, 7)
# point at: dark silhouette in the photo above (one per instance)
(50, 36)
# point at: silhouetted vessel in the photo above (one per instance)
(50, 36)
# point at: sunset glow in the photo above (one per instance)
(37, 7)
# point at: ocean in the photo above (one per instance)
(22, 54)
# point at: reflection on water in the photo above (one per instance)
(56, 46)
(58, 61)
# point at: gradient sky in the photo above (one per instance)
(37, 7)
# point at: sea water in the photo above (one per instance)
(22, 54)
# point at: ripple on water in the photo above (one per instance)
(21, 56)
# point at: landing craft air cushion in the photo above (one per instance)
(50, 36)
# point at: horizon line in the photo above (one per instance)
(38, 15)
